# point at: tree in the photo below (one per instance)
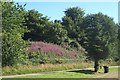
(55, 33)
(72, 22)
(35, 23)
(119, 41)
(101, 36)
(41, 29)
(13, 46)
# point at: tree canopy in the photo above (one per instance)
(72, 22)
(101, 36)
(41, 29)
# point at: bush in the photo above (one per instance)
(13, 50)
(43, 52)
(53, 49)
(13, 46)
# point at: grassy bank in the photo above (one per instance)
(26, 69)
(74, 74)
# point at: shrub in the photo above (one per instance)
(52, 49)
(43, 52)
(13, 50)
(13, 46)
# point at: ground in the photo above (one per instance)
(76, 73)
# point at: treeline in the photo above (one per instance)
(97, 33)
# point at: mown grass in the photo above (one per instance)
(73, 74)
(27, 69)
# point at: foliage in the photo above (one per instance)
(41, 29)
(65, 39)
(119, 41)
(72, 22)
(101, 36)
(53, 50)
(35, 23)
(55, 33)
(13, 46)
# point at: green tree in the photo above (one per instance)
(55, 33)
(13, 46)
(119, 41)
(41, 29)
(72, 22)
(35, 23)
(101, 36)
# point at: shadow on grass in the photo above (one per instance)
(83, 71)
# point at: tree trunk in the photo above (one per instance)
(96, 66)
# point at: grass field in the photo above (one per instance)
(74, 74)
(28, 69)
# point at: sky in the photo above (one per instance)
(55, 10)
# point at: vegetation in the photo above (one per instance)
(118, 42)
(72, 22)
(13, 70)
(31, 39)
(13, 46)
(74, 74)
(42, 52)
(41, 29)
(101, 37)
